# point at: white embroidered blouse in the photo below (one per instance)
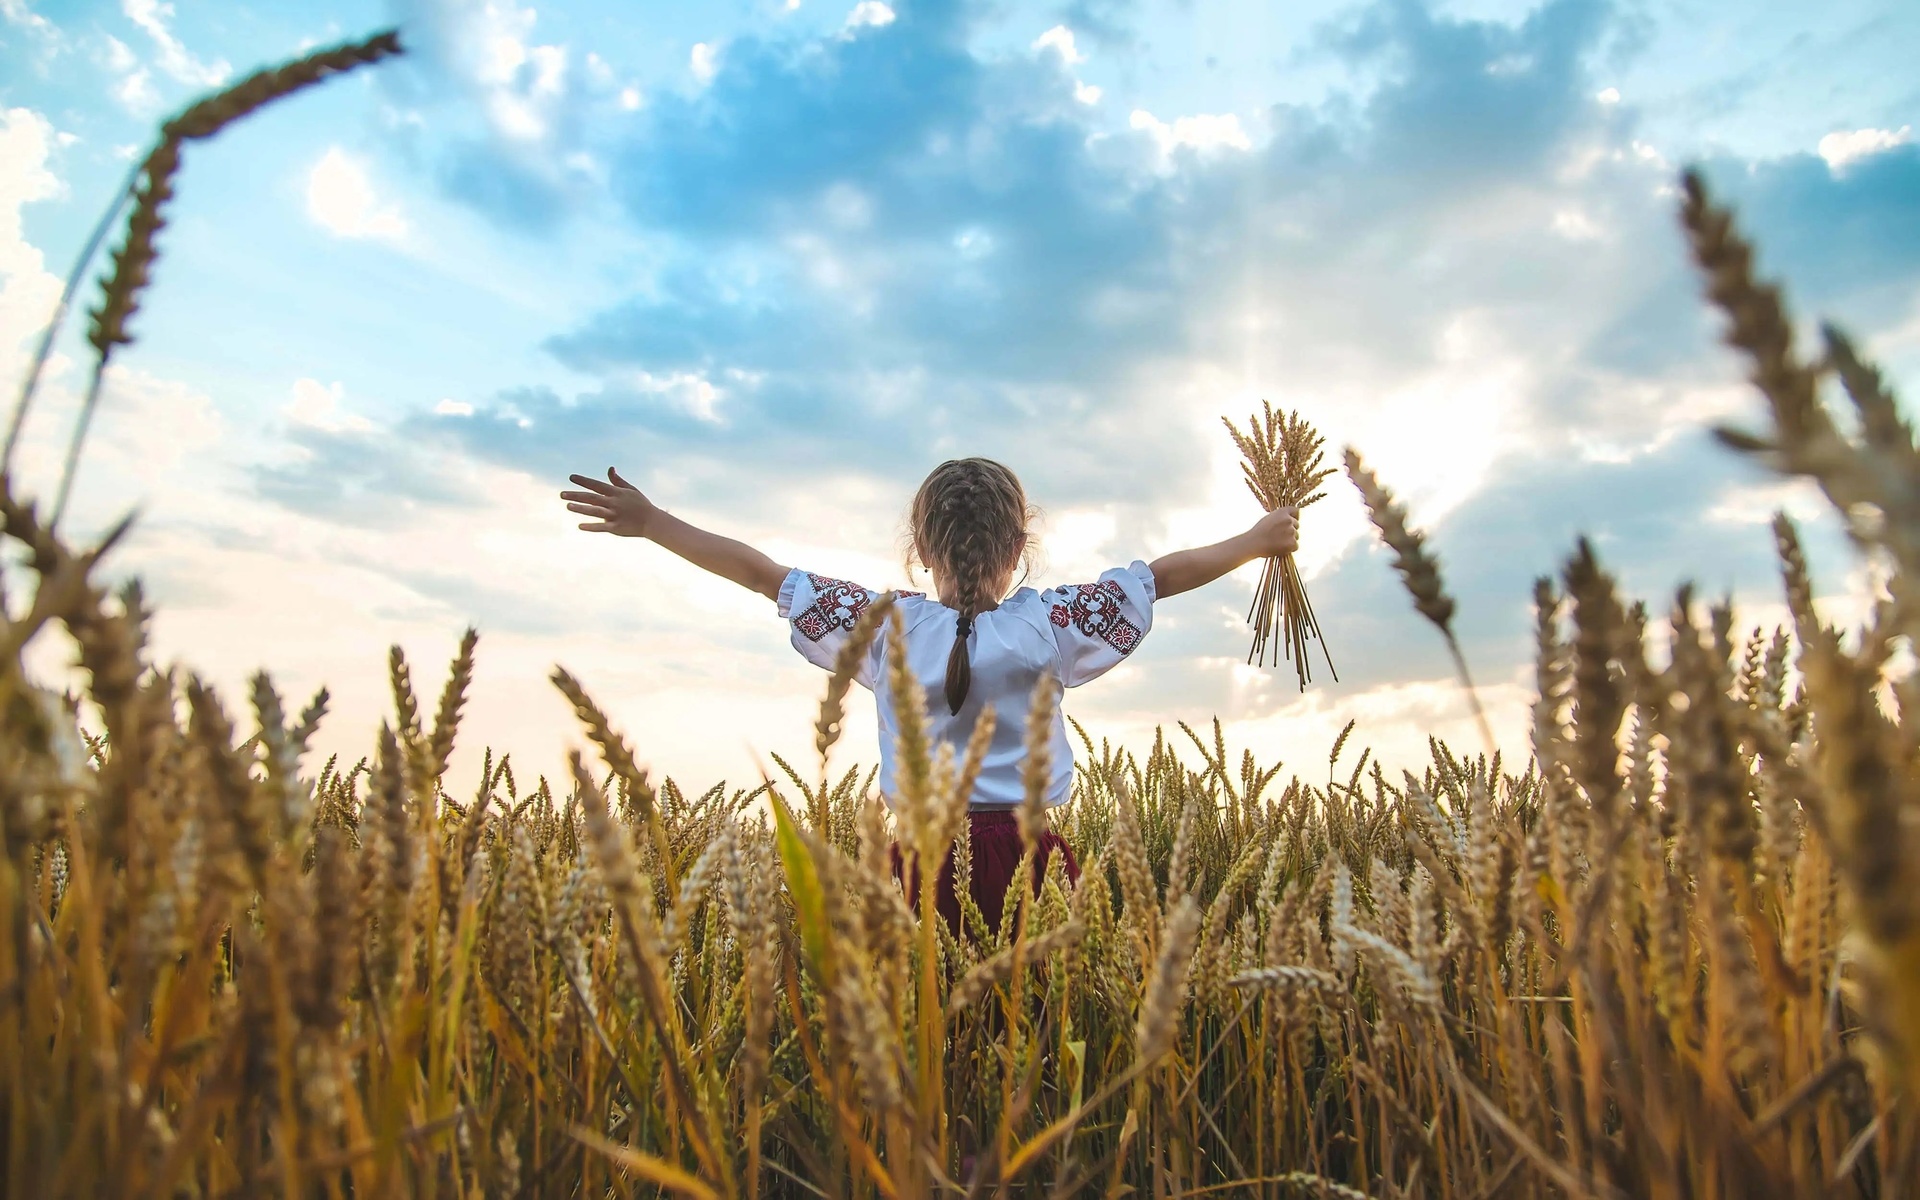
(1074, 633)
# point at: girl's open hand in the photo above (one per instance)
(1278, 533)
(616, 505)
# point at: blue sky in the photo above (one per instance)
(777, 259)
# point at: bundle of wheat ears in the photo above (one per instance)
(1282, 464)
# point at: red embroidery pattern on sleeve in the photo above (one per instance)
(837, 604)
(1094, 609)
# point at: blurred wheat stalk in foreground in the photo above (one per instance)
(1677, 956)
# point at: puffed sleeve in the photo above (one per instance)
(822, 613)
(1095, 625)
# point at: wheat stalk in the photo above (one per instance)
(1282, 458)
(1419, 571)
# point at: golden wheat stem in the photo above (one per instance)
(1473, 694)
(31, 382)
(72, 461)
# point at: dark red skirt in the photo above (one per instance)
(995, 834)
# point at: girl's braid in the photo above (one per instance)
(971, 565)
(969, 523)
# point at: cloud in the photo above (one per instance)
(1059, 43)
(20, 14)
(1006, 248)
(1107, 23)
(1013, 265)
(1474, 99)
(338, 465)
(1845, 242)
(869, 14)
(357, 476)
(703, 61)
(173, 57)
(134, 89)
(1841, 149)
(529, 103)
(895, 241)
(46, 35)
(866, 253)
(26, 143)
(1201, 132)
(488, 47)
(28, 290)
(317, 405)
(1059, 40)
(341, 198)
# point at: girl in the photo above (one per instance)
(973, 647)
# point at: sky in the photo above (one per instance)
(775, 259)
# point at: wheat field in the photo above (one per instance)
(1676, 954)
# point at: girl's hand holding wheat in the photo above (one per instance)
(617, 506)
(1277, 534)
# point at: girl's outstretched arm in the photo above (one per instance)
(620, 509)
(1276, 534)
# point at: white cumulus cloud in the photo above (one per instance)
(341, 198)
(1202, 131)
(703, 62)
(869, 14)
(20, 16)
(522, 86)
(1842, 149)
(134, 89)
(27, 289)
(1059, 39)
(1576, 226)
(318, 406)
(173, 56)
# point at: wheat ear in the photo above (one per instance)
(1419, 571)
(1281, 462)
